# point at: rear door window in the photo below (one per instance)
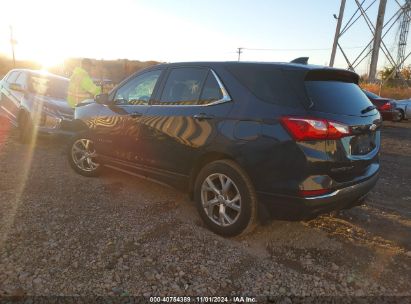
(268, 83)
(337, 97)
(211, 90)
(183, 86)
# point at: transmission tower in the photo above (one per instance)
(404, 29)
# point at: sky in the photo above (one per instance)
(185, 30)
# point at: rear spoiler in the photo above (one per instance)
(329, 74)
(300, 60)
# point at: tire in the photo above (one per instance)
(400, 116)
(241, 212)
(26, 129)
(81, 146)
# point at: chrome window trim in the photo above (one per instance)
(226, 96)
(130, 105)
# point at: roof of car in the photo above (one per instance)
(39, 73)
(317, 70)
(294, 66)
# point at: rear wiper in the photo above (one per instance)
(368, 109)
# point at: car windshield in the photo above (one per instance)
(49, 86)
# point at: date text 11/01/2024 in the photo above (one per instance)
(186, 299)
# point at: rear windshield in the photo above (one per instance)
(337, 97)
(268, 83)
(371, 95)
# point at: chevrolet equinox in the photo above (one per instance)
(293, 139)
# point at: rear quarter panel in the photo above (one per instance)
(253, 135)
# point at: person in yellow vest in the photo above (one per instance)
(81, 85)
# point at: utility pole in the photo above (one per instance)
(337, 32)
(377, 40)
(101, 74)
(240, 51)
(12, 42)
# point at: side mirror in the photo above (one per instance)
(103, 99)
(16, 87)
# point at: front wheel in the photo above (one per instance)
(82, 156)
(26, 129)
(225, 198)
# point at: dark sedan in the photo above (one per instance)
(385, 106)
(35, 102)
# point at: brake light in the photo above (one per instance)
(386, 106)
(302, 128)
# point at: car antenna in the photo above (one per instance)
(300, 60)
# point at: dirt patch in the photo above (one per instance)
(64, 234)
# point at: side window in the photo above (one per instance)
(22, 80)
(138, 90)
(12, 77)
(183, 86)
(268, 83)
(211, 90)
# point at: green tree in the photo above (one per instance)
(406, 72)
(386, 72)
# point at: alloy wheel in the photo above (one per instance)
(84, 155)
(221, 199)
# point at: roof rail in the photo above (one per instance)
(300, 60)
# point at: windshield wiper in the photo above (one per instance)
(368, 109)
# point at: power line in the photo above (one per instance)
(289, 50)
(377, 43)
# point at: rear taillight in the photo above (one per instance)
(302, 128)
(386, 106)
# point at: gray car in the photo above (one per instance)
(404, 107)
(35, 102)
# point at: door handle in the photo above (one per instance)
(136, 114)
(202, 116)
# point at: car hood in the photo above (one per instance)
(56, 104)
(85, 102)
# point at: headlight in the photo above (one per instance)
(49, 121)
(49, 109)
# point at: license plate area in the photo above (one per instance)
(362, 144)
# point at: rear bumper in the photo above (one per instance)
(290, 207)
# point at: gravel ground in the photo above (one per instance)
(63, 234)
